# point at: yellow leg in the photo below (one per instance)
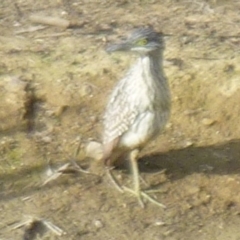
(135, 173)
(136, 182)
(114, 180)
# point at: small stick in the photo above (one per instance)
(30, 29)
(34, 224)
(54, 21)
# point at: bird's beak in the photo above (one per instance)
(123, 46)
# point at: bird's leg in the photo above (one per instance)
(136, 182)
(135, 172)
(140, 194)
(113, 179)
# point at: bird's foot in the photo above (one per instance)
(140, 194)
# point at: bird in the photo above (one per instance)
(138, 107)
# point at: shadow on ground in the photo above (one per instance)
(222, 159)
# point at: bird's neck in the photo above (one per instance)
(152, 65)
(154, 78)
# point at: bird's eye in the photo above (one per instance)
(142, 42)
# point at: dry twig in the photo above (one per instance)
(35, 227)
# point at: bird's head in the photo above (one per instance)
(142, 40)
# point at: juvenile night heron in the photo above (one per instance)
(139, 106)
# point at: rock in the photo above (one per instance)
(94, 150)
(13, 102)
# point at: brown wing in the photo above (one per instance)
(119, 116)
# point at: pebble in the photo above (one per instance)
(98, 224)
(159, 223)
(208, 121)
(187, 143)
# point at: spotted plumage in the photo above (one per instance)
(139, 106)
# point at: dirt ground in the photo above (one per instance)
(54, 83)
